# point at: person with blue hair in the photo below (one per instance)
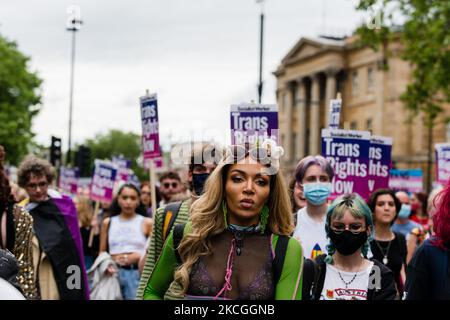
(345, 272)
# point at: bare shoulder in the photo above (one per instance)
(105, 222)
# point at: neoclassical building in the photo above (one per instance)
(315, 70)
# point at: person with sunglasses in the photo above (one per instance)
(237, 244)
(313, 176)
(346, 273)
(202, 163)
(56, 241)
(170, 185)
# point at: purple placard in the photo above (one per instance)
(442, 163)
(68, 180)
(123, 166)
(379, 162)
(348, 153)
(150, 127)
(251, 122)
(103, 181)
(132, 178)
(159, 163)
(334, 113)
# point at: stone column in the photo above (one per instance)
(288, 117)
(330, 92)
(314, 121)
(301, 116)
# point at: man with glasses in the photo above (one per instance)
(313, 176)
(56, 244)
(170, 185)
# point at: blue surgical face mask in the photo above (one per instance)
(405, 211)
(317, 193)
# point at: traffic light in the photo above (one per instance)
(83, 161)
(55, 151)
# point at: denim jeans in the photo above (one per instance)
(129, 282)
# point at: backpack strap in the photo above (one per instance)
(178, 232)
(169, 216)
(280, 255)
(310, 277)
(319, 280)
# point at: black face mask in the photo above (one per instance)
(347, 243)
(198, 182)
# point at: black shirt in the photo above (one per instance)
(396, 255)
(92, 251)
(429, 273)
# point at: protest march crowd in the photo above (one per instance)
(233, 230)
(340, 228)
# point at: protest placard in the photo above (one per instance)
(103, 181)
(348, 153)
(251, 122)
(409, 180)
(334, 113)
(150, 126)
(68, 180)
(442, 163)
(123, 167)
(379, 162)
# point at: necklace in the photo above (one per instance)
(385, 254)
(347, 283)
(239, 233)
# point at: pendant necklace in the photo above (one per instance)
(383, 252)
(347, 283)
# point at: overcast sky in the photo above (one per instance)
(199, 56)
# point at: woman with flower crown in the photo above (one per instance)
(237, 244)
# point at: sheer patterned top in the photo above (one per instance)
(251, 275)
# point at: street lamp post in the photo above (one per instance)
(260, 84)
(73, 24)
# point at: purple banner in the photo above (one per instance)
(348, 153)
(123, 166)
(159, 163)
(68, 180)
(334, 113)
(379, 162)
(251, 122)
(150, 127)
(103, 181)
(442, 163)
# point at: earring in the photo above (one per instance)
(225, 211)
(264, 217)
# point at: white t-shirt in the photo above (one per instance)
(126, 235)
(334, 287)
(311, 235)
(8, 292)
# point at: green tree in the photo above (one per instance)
(424, 34)
(117, 143)
(19, 101)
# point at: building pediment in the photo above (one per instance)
(307, 47)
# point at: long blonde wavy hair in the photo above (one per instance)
(207, 219)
